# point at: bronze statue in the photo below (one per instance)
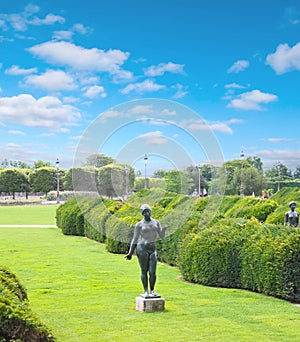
(291, 217)
(144, 237)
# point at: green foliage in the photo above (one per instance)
(18, 322)
(80, 179)
(246, 254)
(95, 219)
(10, 281)
(248, 207)
(212, 256)
(13, 180)
(119, 234)
(271, 262)
(215, 241)
(43, 179)
(114, 181)
(69, 217)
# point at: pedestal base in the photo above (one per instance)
(150, 304)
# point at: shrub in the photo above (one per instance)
(119, 234)
(271, 262)
(212, 257)
(18, 322)
(245, 254)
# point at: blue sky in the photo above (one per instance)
(231, 68)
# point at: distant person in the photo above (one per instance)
(145, 234)
(291, 217)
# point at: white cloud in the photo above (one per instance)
(20, 22)
(234, 86)
(290, 158)
(95, 91)
(79, 28)
(52, 80)
(238, 66)
(79, 58)
(142, 87)
(168, 112)
(89, 80)
(291, 16)
(63, 35)
(50, 19)
(285, 58)
(15, 132)
(3, 25)
(215, 126)
(251, 100)
(47, 112)
(160, 69)
(154, 138)
(141, 110)
(181, 91)
(278, 140)
(16, 70)
(17, 21)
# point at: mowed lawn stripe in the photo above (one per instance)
(86, 294)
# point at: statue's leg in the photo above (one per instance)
(143, 258)
(152, 270)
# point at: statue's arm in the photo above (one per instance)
(286, 219)
(133, 241)
(161, 230)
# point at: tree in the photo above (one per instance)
(255, 162)
(160, 174)
(40, 163)
(252, 179)
(13, 180)
(98, 160)
(179, 182)
(297, 172)
(80, 179)
(279, 170)
(43, 179)
(113, 180)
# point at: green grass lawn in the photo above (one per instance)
(31, 214)
(86, 294)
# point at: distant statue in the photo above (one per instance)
(291, 217)
(145, 234)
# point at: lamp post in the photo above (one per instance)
(145, 160)
(126, 181)
(242, 175)
(199, 180)
(57, 180)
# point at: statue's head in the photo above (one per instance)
(292, 204)
(144, 207)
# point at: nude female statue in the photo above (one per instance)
(144, 237)
(291, 217)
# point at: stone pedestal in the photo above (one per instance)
(150, 304)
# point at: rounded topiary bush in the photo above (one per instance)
(17, 321)
(212, 257)
(67, 218)
(271, 261)
(119, 233)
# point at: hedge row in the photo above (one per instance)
(244, 254)
(113, 222)
(17, 321)
(229, 241)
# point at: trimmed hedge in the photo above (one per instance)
(217, 241)
(244, 254)
(17, 321)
